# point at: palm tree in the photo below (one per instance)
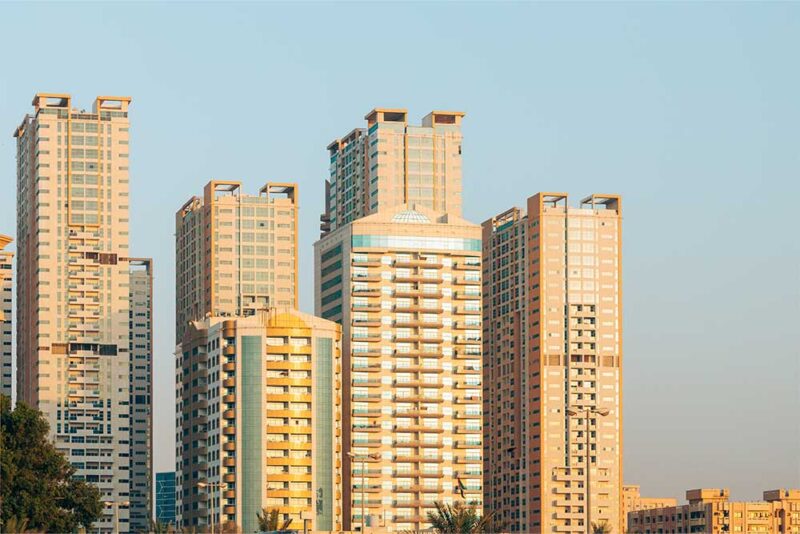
(159, 527)
(601, 527)
(459, 519)
(16, 525)
(267, 520)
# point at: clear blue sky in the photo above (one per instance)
(689, 110)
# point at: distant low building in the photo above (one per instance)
(710, 511)
(165, 497)
(632, 501)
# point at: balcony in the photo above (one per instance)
(417, 263)
(366, 292)
(368, 368)
(370, 337)
(467, 265)
(418, 459)
(366, 263)
(368, 322)
(365, 307)
(419, 413)
(366, 413)
(417, 398)
(419, 428)
(365, 278)
(366, 382)
(374, 427)
(417, 384)
(372, 397)
(418, 369)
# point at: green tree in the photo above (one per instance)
(459, 519)
(601, 527)
(37, 479)
(268, 520)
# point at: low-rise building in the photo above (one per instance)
(632, 501)
(710, 511)
(165, 497)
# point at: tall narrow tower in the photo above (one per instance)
(400, 270)
(235, 253)
(73, 329)
(141, 402)
(391, 163)
(552, 331)
(6, 259)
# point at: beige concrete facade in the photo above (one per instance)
(259, 412)
(6, 284)
(405, 284)
(552, 331)
(710, 511)
(632, 501)
(141, 394)
(73, 329)
(391, 163)
(235, 253)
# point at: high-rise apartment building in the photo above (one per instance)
(552, 333)
(390, 163)
(405, 283)
(141, 373)
(259, 421)
(6, 275)
(710, 511)
(73, 308)
(235, 253)
(632, 501)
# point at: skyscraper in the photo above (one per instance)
(399, 269)
(235, 253)
(259, 421)
(6, 283)
(141, 372)
(552, 331)
(391, 163)
(73, 327)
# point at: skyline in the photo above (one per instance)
(706, 245)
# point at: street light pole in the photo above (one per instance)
(114, 505)
(363, 459)
(219, 486)
(587, 412)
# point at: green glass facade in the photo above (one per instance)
(252, 430)
(402, 242)
(323, 433)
